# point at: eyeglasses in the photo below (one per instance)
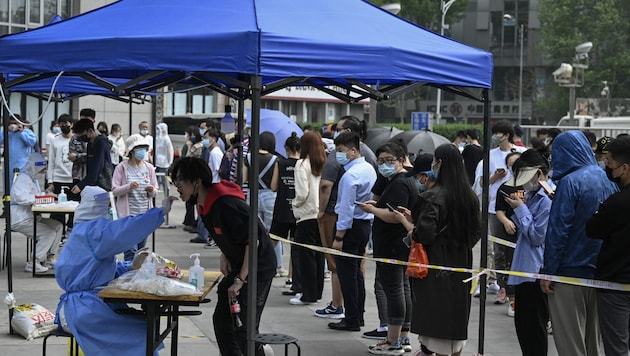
(387, 160)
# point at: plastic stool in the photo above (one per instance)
(279, 339)
(74, 351)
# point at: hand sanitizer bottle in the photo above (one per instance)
(196, 273)
(62, 197)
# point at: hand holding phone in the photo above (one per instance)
(547, 188)
(390, 207)
(505, 195)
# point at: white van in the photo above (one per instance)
(621, 122)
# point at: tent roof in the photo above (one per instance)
(326, 42)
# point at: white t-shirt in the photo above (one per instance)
(214, 162)
(497, 160)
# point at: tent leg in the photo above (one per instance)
(254, 145)
(484, 219)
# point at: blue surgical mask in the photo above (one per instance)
(144, 132)
(342, 158)
(420, 186)
(206, 142)
(56, 130)
(435, 172)
(335, 135)
(386, 170)
(140, 153)
(202, 131)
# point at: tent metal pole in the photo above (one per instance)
(130, 116)
(152, 154)
(7, 204)
(252, 278)
(484, 218)
(241, 133)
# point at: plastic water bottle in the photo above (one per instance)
(235, 309)
(148, 267)
(196, 273)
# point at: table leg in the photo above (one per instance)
(174, 335)
(34, 241)
(152, 313)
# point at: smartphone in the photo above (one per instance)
(546, 187)
(505, 194)
(390, 207)
(358, 202)
(501, 170)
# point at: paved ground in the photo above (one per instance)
(196, 335)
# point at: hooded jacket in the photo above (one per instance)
(163, 147)
(581, 187)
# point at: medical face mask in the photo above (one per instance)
(202, 131)
(65, 129)
(342, 158)
(386, 170)
(144, 132)
(56, 130)
(140, 153)
(435, 171)
(601, 164)
(496, 140)
(206, 143)
(420, 186)
(532, 185)
(609, 174)
(336, 134)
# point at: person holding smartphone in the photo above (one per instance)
(530, 218)
(503, 254)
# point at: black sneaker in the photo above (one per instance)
(198, 240)
(375, 334)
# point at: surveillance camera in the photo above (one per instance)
(392, 8)
(563, 72)
(507, 16)
(584, 47)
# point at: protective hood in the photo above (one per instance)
(36, 165)
(162, 130)
(94, 204)
(570, 151)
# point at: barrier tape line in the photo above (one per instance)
(582, 282)
(501, 241)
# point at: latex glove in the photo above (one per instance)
(166, 204)
(139, 257)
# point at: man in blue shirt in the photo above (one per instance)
(352, 227)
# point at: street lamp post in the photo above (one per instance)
(444, 8)
(520, 81)
(606, 92)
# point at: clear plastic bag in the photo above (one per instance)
(138, 281)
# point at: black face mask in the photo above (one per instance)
(609, 174)
(65, 129)
(84, 138)
(103, 132)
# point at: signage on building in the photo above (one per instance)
(308, 93)
(419, 121)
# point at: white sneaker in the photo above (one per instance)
(297, 300)
(38, 267)
(510, 311)
(268, 350)
(493, 288)
(477, 292)
(281, 272)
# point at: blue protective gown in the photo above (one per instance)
(87, 263)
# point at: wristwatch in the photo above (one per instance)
(338, 238)
(238, 280)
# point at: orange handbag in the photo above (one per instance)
(417, 254)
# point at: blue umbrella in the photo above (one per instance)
(278, 124)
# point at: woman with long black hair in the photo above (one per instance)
(448, 225)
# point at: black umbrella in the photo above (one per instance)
(379, 135)
(425, 141)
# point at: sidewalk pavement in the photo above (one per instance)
(196, 333)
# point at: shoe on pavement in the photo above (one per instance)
(38, 267)
(297, 300)
(406, 344)
(510, 311)
(376, 334)
(288, 283)
(330, 312)
(386, 348)
(199, 240)
(501, 297)
(267, 350)
(344, 325)
(327, 276)
(290, 292)
(477, 292)
(211, 244)
(493, 288)
(281, 272)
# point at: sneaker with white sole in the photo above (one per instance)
(281, 272)
(386, 348)
(493, 288)
(330, 312)
(406, 344)
(510, 311)
(38, 267)
(501, 297)
(297, 300)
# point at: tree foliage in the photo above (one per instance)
(427, 13)
(567, 23)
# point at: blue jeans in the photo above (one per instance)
(202, 232)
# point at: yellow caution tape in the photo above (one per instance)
(501, 241)
(7, 198)
(583, 282)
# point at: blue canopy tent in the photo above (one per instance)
(246, 49)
